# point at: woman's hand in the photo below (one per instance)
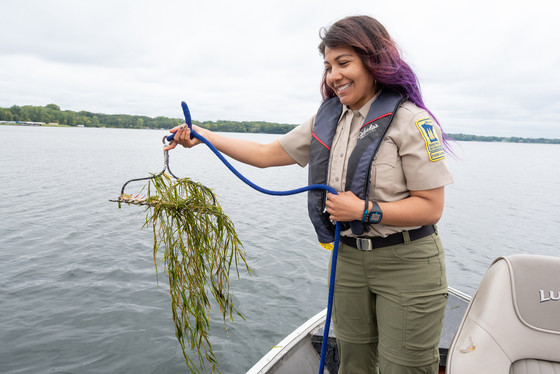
(420, 208)
(345, 207)
(183, 137)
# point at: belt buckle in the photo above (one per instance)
(364, 244)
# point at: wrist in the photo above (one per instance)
(365, 214)
(207, 134)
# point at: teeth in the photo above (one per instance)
(341, 88)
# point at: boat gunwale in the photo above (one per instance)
(280, 350)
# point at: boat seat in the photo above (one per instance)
(512, 324)
(535, 367)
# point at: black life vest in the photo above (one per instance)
(371, 135)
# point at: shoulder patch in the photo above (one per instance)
(433, 144)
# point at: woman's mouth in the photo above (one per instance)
(343, 88)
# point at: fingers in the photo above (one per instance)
(170, 146)
(182, 137)
(344, 207)
(329, 205)
(175, 140)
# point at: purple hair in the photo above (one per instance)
(380, 55)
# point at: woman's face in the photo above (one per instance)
(348, 77)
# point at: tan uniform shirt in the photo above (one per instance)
(409, 159)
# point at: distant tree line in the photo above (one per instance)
(52, 113)
(505, 139)
(246, 126)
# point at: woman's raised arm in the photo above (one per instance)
(249, 152)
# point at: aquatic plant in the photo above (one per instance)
(199, 246)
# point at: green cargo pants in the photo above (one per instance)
(388, 307)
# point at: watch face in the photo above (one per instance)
(375, 217)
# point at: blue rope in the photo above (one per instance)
(336, 238)
(187, 115)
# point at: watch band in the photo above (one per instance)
(375, 214)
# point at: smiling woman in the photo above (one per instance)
(348, 77)
(370, 42)
(375, 143)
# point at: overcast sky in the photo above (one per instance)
(486, 67)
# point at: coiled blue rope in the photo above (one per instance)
(194, 134)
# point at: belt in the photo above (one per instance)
(369, 244)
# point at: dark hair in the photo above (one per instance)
(380, 55)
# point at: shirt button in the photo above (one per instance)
(341, 155)
(337, 179)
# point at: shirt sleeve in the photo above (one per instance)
(422, 154)
(297, 142)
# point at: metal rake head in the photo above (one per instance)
(140, 200)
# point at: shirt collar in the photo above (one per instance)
(364, 109)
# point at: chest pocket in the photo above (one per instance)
(388, 154)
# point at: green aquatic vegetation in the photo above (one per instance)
(199, 245)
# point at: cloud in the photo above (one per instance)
(485, 67)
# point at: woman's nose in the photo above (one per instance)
(335, 74)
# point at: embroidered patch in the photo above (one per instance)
(433, 145)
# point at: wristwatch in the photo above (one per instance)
(375, 214)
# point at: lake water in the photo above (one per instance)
(78, 291)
